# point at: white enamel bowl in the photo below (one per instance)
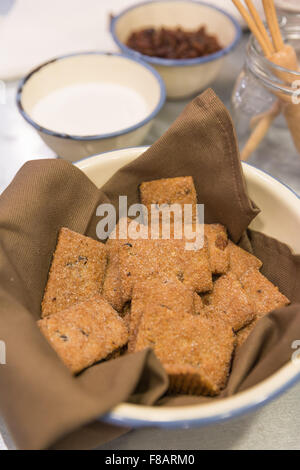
(86, 68)
(184, 77)
(280, 218)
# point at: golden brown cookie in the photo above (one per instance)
(85, 333)
(229, 301)
(195, 351)
(112, 282)
(264, 296)
(77, 271)
(240, 260)
(141, 259)
(126, 315)
(160, 291)
(198, 304)
(217, 238)
(169, 191)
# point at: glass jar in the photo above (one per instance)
(260, 88)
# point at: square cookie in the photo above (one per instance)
(229, 301)
(264, 296)
(180, 190)
(85, 333)
(142, 259)
(240, 260)
(165, 292)
(195, 351)
(76, 273)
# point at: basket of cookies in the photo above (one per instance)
(181, 310)
(192, 307)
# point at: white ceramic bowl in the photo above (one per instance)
(84, 69)
(280, 218)
(184, 77)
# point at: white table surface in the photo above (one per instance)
(276, 426)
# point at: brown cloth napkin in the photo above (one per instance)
(42, 404)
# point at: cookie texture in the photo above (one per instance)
(77, 271)
(195, 351)
(173, 284)
(240, 260)
(230, 302)
(264, 296)
(112, 288)
(112, 291)
(217, 238)
(180, 190)
(198, 304)
(85, 333)
(142, 259)
(158, 292)
(262, 293)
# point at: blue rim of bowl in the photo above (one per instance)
(175, 62)
(111, 418)
(61, 135)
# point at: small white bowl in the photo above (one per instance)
(84, 70)
(183, 77)
(283, 224)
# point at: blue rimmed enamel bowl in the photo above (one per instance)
(183, 77)
(92, 102)
(283, 224)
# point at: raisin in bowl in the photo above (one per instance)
(186, 41)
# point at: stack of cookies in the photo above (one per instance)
(191, 306)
